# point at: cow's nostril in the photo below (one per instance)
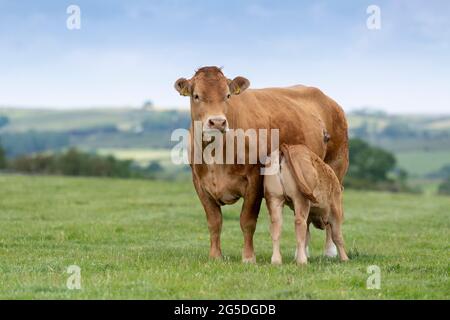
(217, 123)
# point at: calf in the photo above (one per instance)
(311, 188)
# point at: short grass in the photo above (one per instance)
(149, 240)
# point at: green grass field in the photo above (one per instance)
(146, 239)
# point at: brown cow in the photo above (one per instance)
(304, 115)
(310, 187)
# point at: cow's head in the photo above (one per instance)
(210, 92)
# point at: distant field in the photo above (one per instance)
(62, 120)
(147, 239)
(420, 163)
(141, 156)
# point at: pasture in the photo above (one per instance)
(138, 239)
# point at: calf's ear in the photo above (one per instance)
(238, 85)
(183, 86)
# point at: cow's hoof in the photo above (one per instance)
(249, 260)
(331, 252)
(216, 256)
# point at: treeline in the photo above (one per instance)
(371, 168)
(76, 163)
(374, 168)
(443, 173)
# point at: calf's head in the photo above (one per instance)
(210, 92)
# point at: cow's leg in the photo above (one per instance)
(339, 240)
(301, 208)
(249, 216)
(275, 207)
(338, 161)
(214, 220)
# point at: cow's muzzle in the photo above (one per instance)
(219, 123)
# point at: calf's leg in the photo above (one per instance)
(275, 207)
(339, 162)
(301, 208)
(336, 232)
(308, 240)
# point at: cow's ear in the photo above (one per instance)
(183, 86)
(238, 85)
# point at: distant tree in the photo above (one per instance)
(444, 187)
(369, 163)
(362, 131)
(148, 105)
(154, 167)
(2, 158)
(402, 175)
(74, 163)
(399, 130)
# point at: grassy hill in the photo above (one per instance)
(148, 239)
(421, 143)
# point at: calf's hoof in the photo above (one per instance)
(302, 262)
(276, 261)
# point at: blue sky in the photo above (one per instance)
(130, 51)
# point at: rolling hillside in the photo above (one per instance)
(421, 143)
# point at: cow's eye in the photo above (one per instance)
(196, 97)
(228, 96)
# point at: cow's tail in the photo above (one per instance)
(302, 185)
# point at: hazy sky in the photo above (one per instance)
(130, 51)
